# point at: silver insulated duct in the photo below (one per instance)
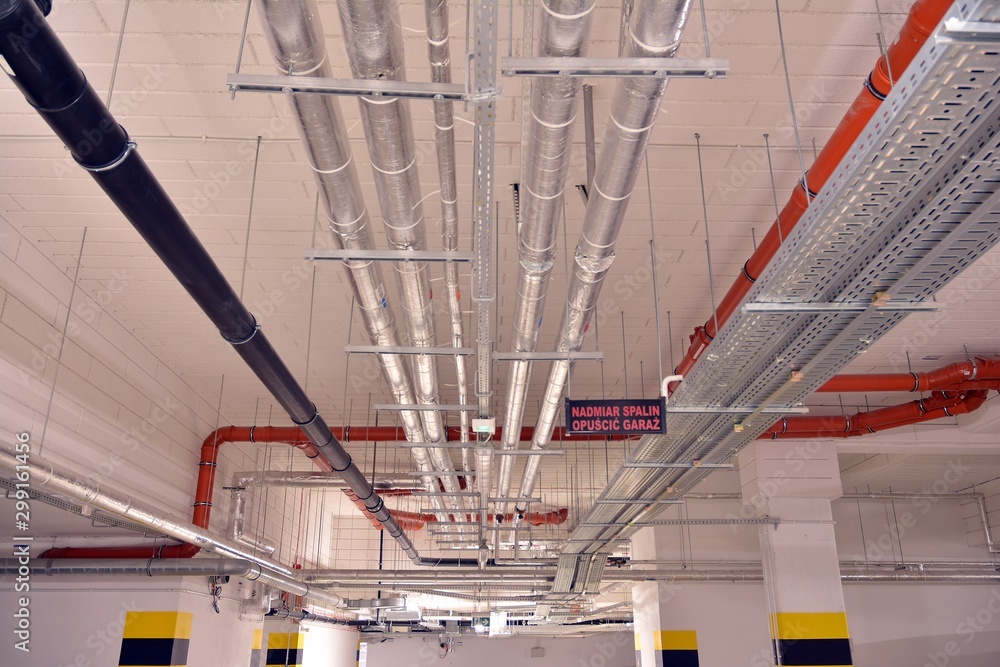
(68, 483)
(564, 28)
(654, 32)
(374, 42)
(444, 140)
(295, 36)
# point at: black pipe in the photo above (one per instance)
(53, 84)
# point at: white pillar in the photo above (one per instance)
(794, 482)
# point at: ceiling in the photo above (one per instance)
(170, 94)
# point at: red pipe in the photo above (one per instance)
(966, 377)
(205, 488)
(416, 521)
(923, 17)
(980, 373)
(940, 404)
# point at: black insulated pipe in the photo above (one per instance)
(53, 84)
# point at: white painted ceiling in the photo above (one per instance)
(170, 95)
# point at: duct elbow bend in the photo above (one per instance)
(667, 381)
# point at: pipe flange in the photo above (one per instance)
(129, 147)
(243, 341)
(876, 93)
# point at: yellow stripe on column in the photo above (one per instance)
(812, 639)
(158, 625)
(809, 625)
(284, 649)
(676, 648)
(676, 640)
(255, 651)
(155, 639)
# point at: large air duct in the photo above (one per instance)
(374, 43)
(564, 29)
(295, 34)
(655, 32)
(54, 85)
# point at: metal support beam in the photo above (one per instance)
(413, 90)
(969, 32)
(482, 72)
(634, 501)
(445, 494)
(699, 410)
(402, 349)
(710, 68)
(479, 450)
(670, 466)
(845, 307)
(768, 521)
(548, 356)
(447, 407)
(590, 140)
(389, 255)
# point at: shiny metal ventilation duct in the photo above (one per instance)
(655, 32)
(144, 567)
(374, 42)
(549, 132)
(444, 140)
(295, 35)
(68, 483)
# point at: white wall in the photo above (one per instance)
(936, 625)
(79, 623)
(120, 414)
(609, 649)
(329, 646)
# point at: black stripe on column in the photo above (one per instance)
(284, 656)
(815, 652)
(153, 652)
(678, 658)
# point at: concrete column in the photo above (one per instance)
(663, 638)
(794, 483)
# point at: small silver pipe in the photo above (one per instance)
(88, 491)
(176, 567)
(319, 480)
